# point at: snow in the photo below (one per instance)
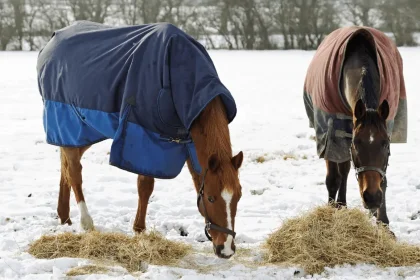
(271, 122)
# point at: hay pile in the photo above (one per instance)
(127, 251)
(326, 237)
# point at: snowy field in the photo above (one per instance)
(271, 122)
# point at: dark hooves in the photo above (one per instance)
(391, 233)
(340, 205)
(386, 227)
(138, 229)
(337, 205)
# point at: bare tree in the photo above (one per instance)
(18, 16)
(7, 28)
(93, 10)
(360, 12)
(31, 24)
(285, 16)
(315, 19)
(399, 17)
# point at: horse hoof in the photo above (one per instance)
(86, 223)
(138, 230)
(341, 206)
(391, 233)
(66, 221)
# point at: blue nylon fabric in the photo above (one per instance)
(64, 127)
(160, 73)
(69, 126)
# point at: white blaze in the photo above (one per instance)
(371, 138)
(227, 250)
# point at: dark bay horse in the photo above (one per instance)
(361, 132)
(155, 92)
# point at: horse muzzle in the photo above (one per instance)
(224, 253)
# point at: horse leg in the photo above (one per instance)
(145, 186)
(381, 215)
(195, 176)
(63, 207)
(343, 169)
(73, 174)
(333, 180)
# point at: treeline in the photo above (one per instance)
(231, 24)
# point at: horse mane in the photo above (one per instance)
(367, 91)
(210, 133)
(361, 47)
(216, 130)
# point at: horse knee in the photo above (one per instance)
(333, 181)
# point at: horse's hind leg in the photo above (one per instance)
(343, 169)
(72, 172)
(63, 207)
(145, 186)
(333, 180)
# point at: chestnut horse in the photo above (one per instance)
(139, 85)
(354, 75)
(219, 183)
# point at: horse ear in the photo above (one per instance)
(384, 110)
(213, 163)
(237, 160)
(360, 109)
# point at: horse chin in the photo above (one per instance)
(372, 209)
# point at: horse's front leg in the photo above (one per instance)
(343, 169)
(332, 180)
(145, 186)
(381, 215)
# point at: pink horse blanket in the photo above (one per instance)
(327, 110)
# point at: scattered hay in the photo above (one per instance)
(326, 237)
(261, 159)
(127, 251)
(290, 156)
(87, 269)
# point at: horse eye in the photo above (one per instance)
(211, 199)
(385, 143)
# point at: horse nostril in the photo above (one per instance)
(219, 249)
(374, 200)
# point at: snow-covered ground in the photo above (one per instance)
(271, 122)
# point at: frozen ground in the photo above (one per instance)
(271, 122)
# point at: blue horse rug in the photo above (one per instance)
(142, 86)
